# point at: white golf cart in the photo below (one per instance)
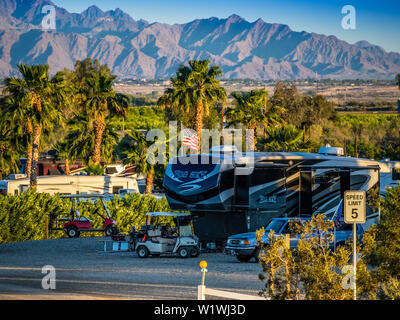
(179, 240)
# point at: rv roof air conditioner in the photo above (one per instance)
(332, 151)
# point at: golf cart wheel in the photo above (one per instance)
(111, 230)
(184, 252)
(195, 252)
(73, 232)
(142, 252)
(243, 258)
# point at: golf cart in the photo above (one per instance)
(179, 240)
(75, 223)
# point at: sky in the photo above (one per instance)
(377, 22)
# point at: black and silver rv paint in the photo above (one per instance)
(235, 193)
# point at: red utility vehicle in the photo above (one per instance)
(77, 223)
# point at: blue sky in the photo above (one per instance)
(376, 21)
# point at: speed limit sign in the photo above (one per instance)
(354, 207)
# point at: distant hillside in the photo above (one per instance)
(137, 49)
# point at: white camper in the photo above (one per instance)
(389, 174)
(67, 184)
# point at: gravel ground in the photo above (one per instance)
(83, 271)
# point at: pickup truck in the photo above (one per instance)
(244, 245)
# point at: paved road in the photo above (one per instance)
(83, 271)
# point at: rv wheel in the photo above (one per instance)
(142, 252)
(195, 252)
(73, 232)
(184, 252)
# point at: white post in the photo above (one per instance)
(354, 261)
(201, 292)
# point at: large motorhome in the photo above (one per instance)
(230, 192)
(66, 184)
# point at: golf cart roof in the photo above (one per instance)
(168, 214)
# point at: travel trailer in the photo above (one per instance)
(230, 192)
(66, 184)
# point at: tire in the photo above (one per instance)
(73, 232)
(243, 258)
(195, 252)
(184, 252)
(142, 252)
(111, 230)
(256, 254)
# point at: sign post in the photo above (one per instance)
(354, 213)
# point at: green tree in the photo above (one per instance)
(311, 271)
(8, 155)
(137, 153)
(195, 88)
(80, 140)
(43, 99)
(381, 249)
(249, 110)
(286, 138)
(100, 102)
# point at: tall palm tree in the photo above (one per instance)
(357, 128)
(197, 88)
(137, 154)
(249, 110)
(15, 118)
(80, 140)
(101, 101)
(43, 98)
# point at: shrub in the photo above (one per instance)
(22, 216)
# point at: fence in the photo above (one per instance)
(202, 291)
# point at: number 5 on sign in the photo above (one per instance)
(354, 207)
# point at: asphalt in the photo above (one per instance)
(84, 271)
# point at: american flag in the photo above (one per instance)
(189, 138)
(338, 214)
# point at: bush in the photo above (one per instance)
(22, 217)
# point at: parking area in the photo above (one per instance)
(84, 271)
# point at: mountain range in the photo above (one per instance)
(139, 49)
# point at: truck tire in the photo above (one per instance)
(142, 252)
(184, 252)
(73, 232)
(243, 258)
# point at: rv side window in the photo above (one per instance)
(116, 189)
(396, 174)
(24, 188)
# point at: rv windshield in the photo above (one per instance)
(274, 225)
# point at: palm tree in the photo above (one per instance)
(100, 102)
(137, 154)
(21, 127)
(250, 111)
(81, 138)
(42, 99)
(286, 138)
(197, 88)
(357, 128)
